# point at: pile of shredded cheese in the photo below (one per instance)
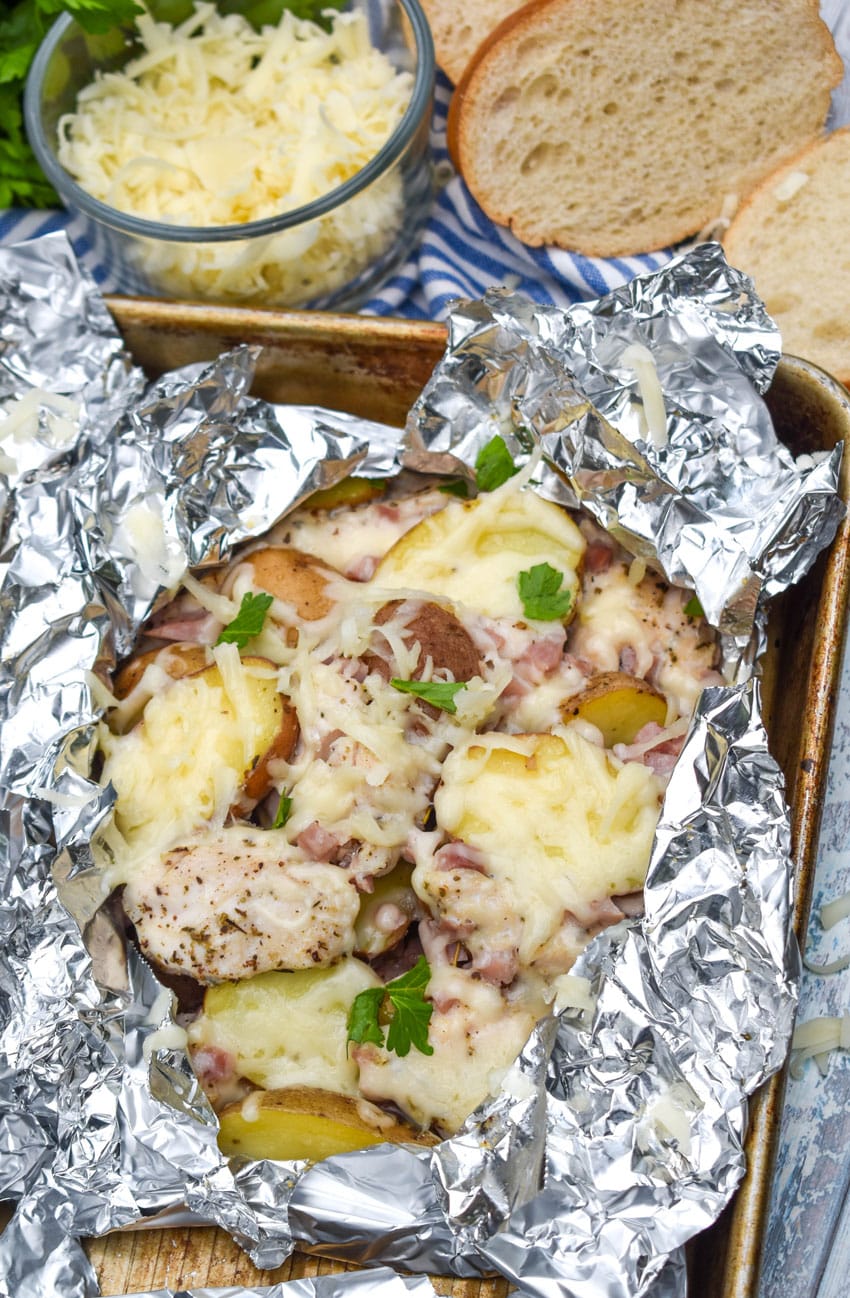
(215, 123)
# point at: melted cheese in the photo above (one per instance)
(345, 538)
(472, 552)
(161, 559)
(646, 620)
(269, 1023)
(638, 358)
(559, 823)
(182, 766)
(475, 1038)
(217, 124)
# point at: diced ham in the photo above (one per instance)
(363, 569)
(461, 856)
(541, 657)
(631, 903)
(212, 1064)
(660, 761)
(183, 618)
(629, 660)
(499, 967)
(661, 757)
(196, 628)
(598, 556)
(603, 912)
(317, 842)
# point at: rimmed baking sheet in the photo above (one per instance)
(375, 368)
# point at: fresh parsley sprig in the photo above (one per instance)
(249, 621)
(403, 1002)
(23, 26)
(693, 608)
(284, 811)
(494, 464)
(543, 600)
(440, 693)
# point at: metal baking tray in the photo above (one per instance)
(376, 368)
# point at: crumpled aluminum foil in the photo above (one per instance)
(617, 1134)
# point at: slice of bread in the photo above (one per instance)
(613, 129)
(459, 26)
(791, 236)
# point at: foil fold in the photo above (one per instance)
(617, 1134)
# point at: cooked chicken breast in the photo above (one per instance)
(239, 901)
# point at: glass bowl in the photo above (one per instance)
(331, 253)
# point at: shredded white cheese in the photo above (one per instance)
(791, 185)
(640, 360)
(39, 415)
(161, 558)
(217, 124)
(834, 911)
(817, 1039)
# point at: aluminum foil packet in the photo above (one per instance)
(617, 1134)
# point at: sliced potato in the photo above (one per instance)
(472, 552)
(305, 1122)
(559, 823)
(618, 705)
(291, 575)
(196, 744)
(350, 492)
(440, 636)
(261, 779)
(183, 658)
(269, 1025)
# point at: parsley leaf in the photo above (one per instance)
(22, 28)
(248, 622)
(409, 1012)
(455, 487)
(363, 1022)
(494, 465)
(440, 693)
(284, 810)
(693, 608)
(541, 594)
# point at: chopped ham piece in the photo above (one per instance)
(461, 856)
(212, 1064)
(598, 556)
(183, 618)
(661, 757)
(628, 660)
(631, 904)
(317, 843)
(541, 657)
(363, 569)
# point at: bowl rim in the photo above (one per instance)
(74, 196)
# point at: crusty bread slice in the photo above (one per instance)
(791, 236)
(459, 26)
(613, 129)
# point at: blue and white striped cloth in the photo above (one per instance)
(460, 255)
